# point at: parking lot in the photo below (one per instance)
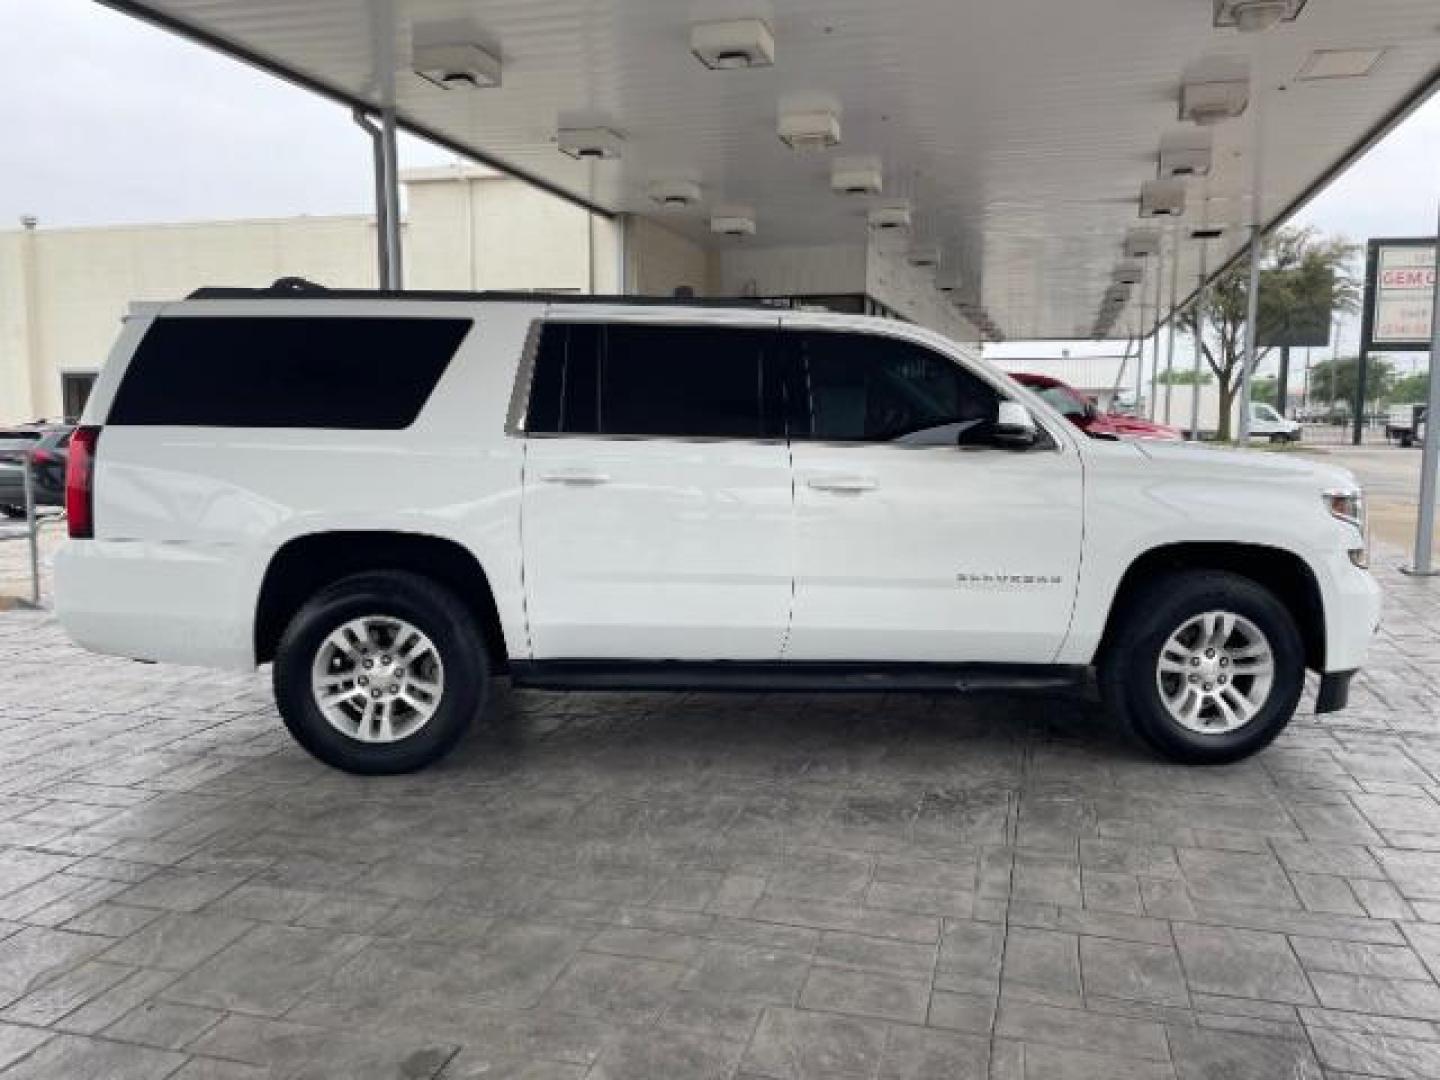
(1391, 478)
(691, 886)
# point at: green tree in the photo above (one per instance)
(1187, 377)
(1297, 263)
(1411, 389)
(1334, 380)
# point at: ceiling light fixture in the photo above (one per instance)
(1129, 273)
(925, 256)
(1162, 198)
(733, 221)
(896, 216)
(1254, 16)
(733, 44)
(1214, 92)
(589, 144)
(1142, 243)
(674, 194)
(856, 176)
(456, 66)
(1186, 152)
(809, 130)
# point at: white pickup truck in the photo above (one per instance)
(396, 498)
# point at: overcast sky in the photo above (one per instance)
(108, 120)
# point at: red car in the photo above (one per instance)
(1081, 412)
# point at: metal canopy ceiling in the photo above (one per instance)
(1021, 130)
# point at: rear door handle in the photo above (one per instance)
(851, 485)
(575, 477)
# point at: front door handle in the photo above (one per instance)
(848, 485)
(575, 477)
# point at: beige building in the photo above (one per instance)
(64, 291)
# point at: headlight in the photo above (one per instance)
(1348, 505)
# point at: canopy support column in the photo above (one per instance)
(1422, 562)
(390, 193)
(1257, 235)
(1140, 352)
(382, 228)
(1174, 316)
(1155, 337)
(1200, 297)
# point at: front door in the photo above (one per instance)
(918, 537)
(657, 515)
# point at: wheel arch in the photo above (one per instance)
(305, 564)
(1284, 573)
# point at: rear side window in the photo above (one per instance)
(675, 381)
(351, 373)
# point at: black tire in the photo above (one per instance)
(437, 613)
(1127, 670)
(1279, 438)
(14, 513)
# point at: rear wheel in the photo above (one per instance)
(14, 513)
(1206, 666)
(380, 673)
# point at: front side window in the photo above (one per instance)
(870, 388)
(644, 380)
(1264, 412)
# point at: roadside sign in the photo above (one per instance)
(1399, 294)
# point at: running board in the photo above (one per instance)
(792, 676)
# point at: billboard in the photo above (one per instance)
(1399, 294)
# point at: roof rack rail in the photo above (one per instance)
(298, 288)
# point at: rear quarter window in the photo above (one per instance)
(319, 372)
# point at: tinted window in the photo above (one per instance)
(1061, 400)
(358, 373)
(630, 379)
(869, 388)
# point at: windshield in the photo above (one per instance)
(1264, 412)
(15, 444)
(1063, 401)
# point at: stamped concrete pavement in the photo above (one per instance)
(672, 886)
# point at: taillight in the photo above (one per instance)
(80, 483)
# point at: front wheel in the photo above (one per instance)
(380, 673)
(1206, 666)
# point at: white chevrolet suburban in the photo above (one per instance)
(396, 498)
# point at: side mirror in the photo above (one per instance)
(1014, 426)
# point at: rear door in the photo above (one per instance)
(917, 537)
(657, 496)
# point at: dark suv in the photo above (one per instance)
(49, 447)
